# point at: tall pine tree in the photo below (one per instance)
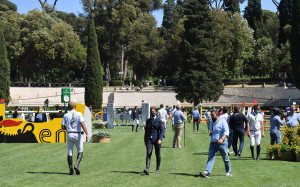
(254, 16)
(201, 76)
(172, 14)
(295, 42)
(93, 72)
(285, 16)
(232, 5)
(170, 31)
(4, 70)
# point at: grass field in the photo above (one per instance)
(121, 163)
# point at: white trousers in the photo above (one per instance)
(255, 136)
(165, 124)
(74, 139)
(135, 120)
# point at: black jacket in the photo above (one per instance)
(238, 121)
(135, 114)
(154, 130)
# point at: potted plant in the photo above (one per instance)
(273, 152)
(298, 154)
(287, 152)
(101, 137)
(99, 124)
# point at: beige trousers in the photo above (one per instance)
(208, 124)
(177, 136)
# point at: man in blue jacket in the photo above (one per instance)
(196, 118)
(178, 126)
(293, 119)
(154, 133)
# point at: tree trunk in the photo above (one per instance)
(130, 73)
(122, 60)
(107, 73)
(125, 69)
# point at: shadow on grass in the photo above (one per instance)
(240, 158)
(191, 175)
(131, 172)
(203, 153)
(185, 174)
(48, 173)
(166, 147)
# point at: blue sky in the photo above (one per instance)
(75, 6)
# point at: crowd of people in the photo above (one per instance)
(226, 127)
(37, 115)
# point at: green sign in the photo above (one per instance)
(65, 95)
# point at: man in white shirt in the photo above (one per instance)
(72, 123)
(255, 130)
(225, 114)
(163, 116)
(171, 113)
(207, 117)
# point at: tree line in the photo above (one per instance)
(199, 45)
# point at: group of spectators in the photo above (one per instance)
(226, 128)
(38, 116)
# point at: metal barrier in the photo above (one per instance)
(102, 115)
(40, 84)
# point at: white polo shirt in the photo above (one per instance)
(255, 120)
(163, 114)
(73, 120)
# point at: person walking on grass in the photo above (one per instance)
(224, 114)
(238, 124)
(255, 130)
(172, 114)
(230, 137)
(275, 122)
(163, 116)
(218, 133)
(196, 118)
(207, 117)
(72, 123)
(178, 126)
(135, 118)
(154, 132)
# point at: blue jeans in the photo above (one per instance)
(238, 134)
(213, 149)
(194, 123)
(275, 137)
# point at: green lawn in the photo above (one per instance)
(121, 163)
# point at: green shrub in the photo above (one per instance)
(105, 83)
(137, 83)
(101, 134)
(116, 82)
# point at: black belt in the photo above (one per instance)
(76, 132)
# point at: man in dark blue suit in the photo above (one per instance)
(154, 133)
(135, 118)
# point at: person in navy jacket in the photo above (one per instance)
(154, 133)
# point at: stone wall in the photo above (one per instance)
(32, 96)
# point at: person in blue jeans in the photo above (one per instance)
(230, 137)
(275, 122)
(196, 118)
(238, 124)
(218, 131)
